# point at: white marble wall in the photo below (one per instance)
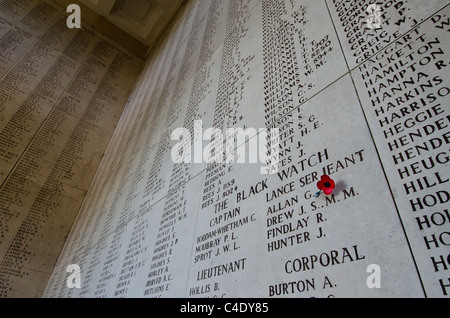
(62, 92)
(367, 107)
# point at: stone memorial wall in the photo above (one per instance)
(62, 92)
(357, 90)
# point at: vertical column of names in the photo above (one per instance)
(404, 89)
(165, 272)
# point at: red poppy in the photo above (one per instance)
(326, 184)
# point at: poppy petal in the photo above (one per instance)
(325, 178)
(320, 185)
(332, 184)
(328, 191)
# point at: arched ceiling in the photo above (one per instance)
(144, 20)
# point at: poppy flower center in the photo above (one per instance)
(327, 184)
